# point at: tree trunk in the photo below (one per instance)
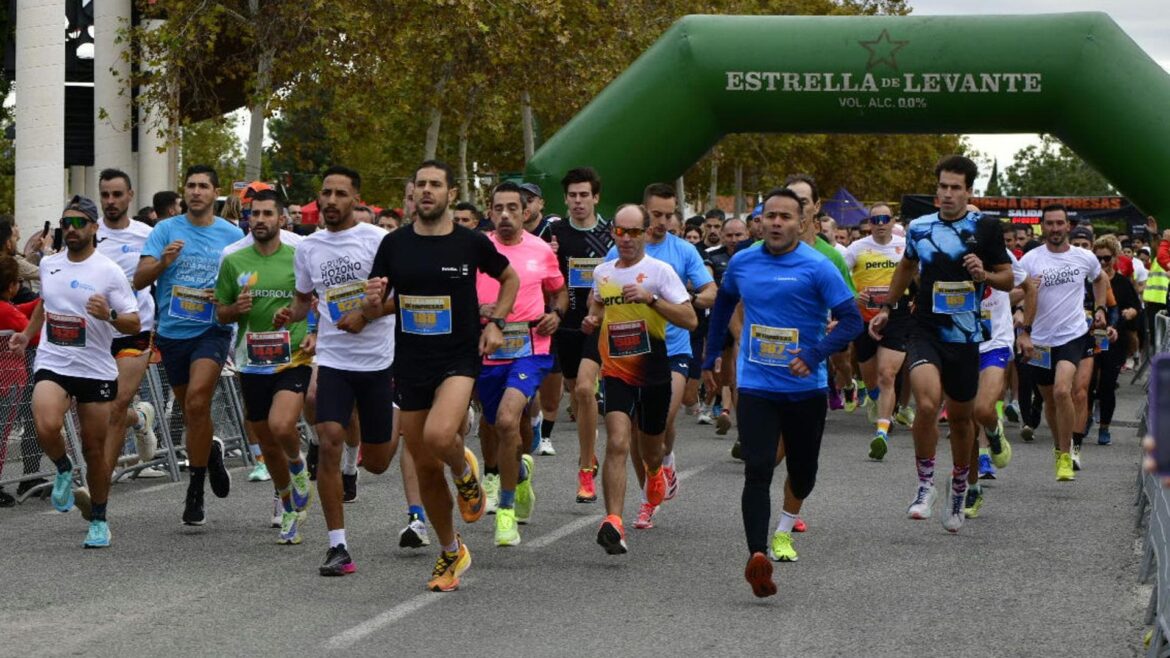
(432, 144)
(713, 193)
(526, 120)
(738, 189)
(464, 177)
(259, 103)
(680, 192)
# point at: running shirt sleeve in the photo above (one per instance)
(304, 278)
(491, 261)
(990, 249)
(226, 287)
(554, 281)
(157, 241)
(120, 295)
(697, 272)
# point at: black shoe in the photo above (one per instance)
(6, 499)
(737, 451)
(349, 487)
(193, 508)
(29, 485)
(217, 473)
(337, 562)
(311, 461)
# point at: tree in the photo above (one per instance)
(993, 185)
(1052, 169)
(214, 142)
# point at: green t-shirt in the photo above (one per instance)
(825, 249)
(259, 350)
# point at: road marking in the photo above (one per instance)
(352, 636)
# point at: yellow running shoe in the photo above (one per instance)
(448, 568)
(472, 502)
(781, 549)
(1064, 468)
(507, 532)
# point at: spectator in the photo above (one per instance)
(9, 246)
(166, 204)
(15, 393)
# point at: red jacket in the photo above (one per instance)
(14, 317)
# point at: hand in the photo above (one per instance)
(549, 323)
(243, 301)
(281, 317)
(487, 310)
(974, 267)
(863, 297)
(555, 246)
(1100, 319)
(1129, 313)
(490, 339)
(1149, 463)
(171, 252)
(1111, 334)
(98, 307)
(590, 324)
(798, 367)
(18, 342)
(709, 378)
(633, 293)
(1024, 342)
(352, 322)
(877, 324)
(375, 293)
(830, 327)
(309, 344)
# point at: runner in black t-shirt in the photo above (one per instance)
(430, 266)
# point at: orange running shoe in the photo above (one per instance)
(655, 487)
(612, 536)
(645, 519)
(472, 502)
(448, 568)
(586, 492)
(759, 575)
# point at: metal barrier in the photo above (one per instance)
(1153, 513)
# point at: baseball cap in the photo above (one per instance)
(532, 188)
(84, 205)
(1080, 233)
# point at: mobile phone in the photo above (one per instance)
(46, 231)
(58, 238)
(1158, 411)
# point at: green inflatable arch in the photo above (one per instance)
(1077, 76)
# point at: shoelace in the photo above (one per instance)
(444, 562)
(920, 499)
(957, 504)
(468, 490)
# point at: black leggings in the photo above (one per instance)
(761, 424)
(1031, 402)
(1103, 384)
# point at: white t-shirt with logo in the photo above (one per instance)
(286, 237)
(1060, 313)
(74, 343)
(335, 265)
(124, 247)
(998, 307)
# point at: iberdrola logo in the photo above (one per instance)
(248, 279)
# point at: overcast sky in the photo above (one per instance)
(1146, 21)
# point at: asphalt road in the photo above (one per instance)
(1048, 568)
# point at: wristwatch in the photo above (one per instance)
(653, 300)
(113, 315)
(499, 322)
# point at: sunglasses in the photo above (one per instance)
(1105, 259)
(632, 232)
(74, 223)
(881, 219)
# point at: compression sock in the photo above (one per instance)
(925, 471)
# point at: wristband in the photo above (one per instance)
(1102, 309)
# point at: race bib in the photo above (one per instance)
(345, 298)
(1041, 357)
(192, 304)
(954, 297)
(581, 271)
(769, 346)
(628, 339)
(65, 330)
(268, 348)
(426, 316)
(517, 342)
(1101, 340)
(878, 295)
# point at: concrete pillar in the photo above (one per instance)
(77, 180)
(156, 169)
(40, 113)
(112, 136)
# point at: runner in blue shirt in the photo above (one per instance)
(787, 289)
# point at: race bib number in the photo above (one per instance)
(954, 297)
(581, 271)
(425, 316)
(1101, 340)
(65, 330)
(1041, 357)
(268, 348)
(192, 304)
(878, 295)
(342, 299)
(628, 339)
(517, 342)
(769, 346)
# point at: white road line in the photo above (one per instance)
(352, 636)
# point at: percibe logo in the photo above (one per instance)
(882, 84)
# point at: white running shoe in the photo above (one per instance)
(705, 417)
(491, 492)
(277, 511)
(150, 472)
(144, 434)
(923, 503)
(546, 447)
(953, 519)
(1076, 457)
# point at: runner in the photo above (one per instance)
(546, 408)
(426, 273)
(254, 283)
(788, 291)
(85, 300)
(512, 374)
(181, 257)
(354, 355)
(956, 254)
(633, 300)
(1113, 345)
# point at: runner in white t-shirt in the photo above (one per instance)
(85, 299)
(1055, 338)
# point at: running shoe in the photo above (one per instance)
(922, 505)
(277, 511)
(193, 508)
(1001, 449)
(1064, 468)
(878, 447)
(781, 549)
(83, 502)
(546, 447)
(836, 402)
(149, 473)
(850, 398)
(507, 532)
(723, 423)
(302, 492)
(337, 562)
(655, 487)
(905, 416)
(737, 451)
(311, 459)
(800, 525)
(491, 492)
(259, 473)
(448, 568)
(144, 437)
(98, 535)
(986, 469)
(1011, 411)
(1027, 434)
(612, 536)
(525, 494)
(942, 417)
(758, 573)
(871, 412)
(974, 501)
(953, 519)
(645, 519)
(1075, 455)
(63, 491)
(290, 528)
(349, 487)
(414, 535)
(471, 499)
(705, 417)
(6, 499)
(1104, 438)
(671, 482)
(596, 464)
(586, 492)
(217, 473)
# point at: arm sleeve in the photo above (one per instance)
(1164, 254)
(849, 325)
(721, 312)
(303, 278)
(991, 250)
(555, 280)
(122, 297)
(491, 261)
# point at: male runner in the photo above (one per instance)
(85, 299)
(182, 257)
(633, 300)
(426, 273)
(273, 365)
(956, 254)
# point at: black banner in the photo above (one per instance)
(1106, 213)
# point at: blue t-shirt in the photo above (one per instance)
(685, 260)
(792, 292)
(184, 315)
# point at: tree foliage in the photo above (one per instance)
(214, 142)
(1052, 169)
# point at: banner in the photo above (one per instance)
(1114, 214)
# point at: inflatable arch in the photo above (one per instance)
(1077, 76)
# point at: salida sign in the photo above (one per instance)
(1028, 209)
